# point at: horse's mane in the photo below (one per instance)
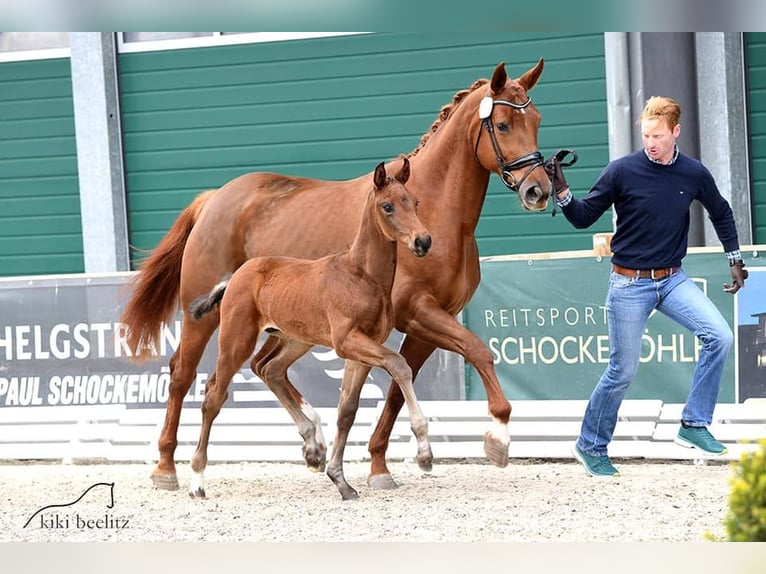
(445, 113)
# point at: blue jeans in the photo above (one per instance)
(629, 302)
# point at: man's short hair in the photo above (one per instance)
(663, 108)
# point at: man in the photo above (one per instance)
(652, 191)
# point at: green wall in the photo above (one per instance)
(755, 74)
(40, 227)
(328, 108)
(332, 108)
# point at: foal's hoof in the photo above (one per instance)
(165, 481)
(350, 494)
(197, 493)
(315, 459)
(381, 482)
(425, 463)
(496, 450)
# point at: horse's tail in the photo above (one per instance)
(203, 305)
(156, 285)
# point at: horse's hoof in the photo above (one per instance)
(381, 482)
(198, 493)
(496, 451)
(165, 481)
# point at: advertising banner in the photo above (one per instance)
(544, 320)
(61, 344)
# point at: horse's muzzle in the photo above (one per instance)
(534, 198)
(421, 245)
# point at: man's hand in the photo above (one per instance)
(738, 276)
(553, 168)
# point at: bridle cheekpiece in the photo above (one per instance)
(532, 159)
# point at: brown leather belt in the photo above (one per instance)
(645, 273)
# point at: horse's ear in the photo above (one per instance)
(499, 77)
(379, 178)
(529, 79)
(404, 172)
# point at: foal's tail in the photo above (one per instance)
(156, 285)
(203, 305)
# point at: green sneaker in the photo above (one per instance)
(595, 465)
(699, 438)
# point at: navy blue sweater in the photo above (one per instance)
(652, 203)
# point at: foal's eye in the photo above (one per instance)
(388, 208)
(502, 128)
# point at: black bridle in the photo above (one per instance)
(532, 159)
(505, 168)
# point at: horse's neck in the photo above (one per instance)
(371, 251)
(449, 175)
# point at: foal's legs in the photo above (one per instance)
(271, 364)
(235, 344)
(363, 349)
(348, 404)
(433, 326)
(183, 369)
(416, 353)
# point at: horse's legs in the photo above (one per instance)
(433, 325)
(416, 353)
(183, 369)
(235, 344)
(271, 364)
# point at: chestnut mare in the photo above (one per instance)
(341, 301)
(271, 214)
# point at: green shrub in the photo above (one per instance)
(746, 519)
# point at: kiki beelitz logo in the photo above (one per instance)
(51, 518)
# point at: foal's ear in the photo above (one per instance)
(530, 77)
(404, 172)
(379, 177)
(499, 77)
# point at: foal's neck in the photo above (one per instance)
(372, 252)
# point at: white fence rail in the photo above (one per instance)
(538, 429)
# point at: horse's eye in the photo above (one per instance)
(502, 128)
(388, 208)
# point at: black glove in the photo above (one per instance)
(738, 276)
(553, 168)
(554, 165)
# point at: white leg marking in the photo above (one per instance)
(197, 483)
(314, 417)
(499, 431)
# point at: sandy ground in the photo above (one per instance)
(468, 501)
